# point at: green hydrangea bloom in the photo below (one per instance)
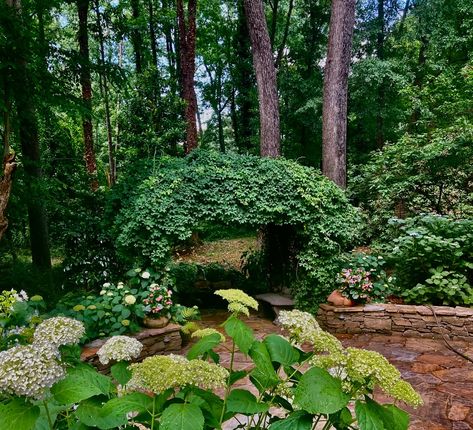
(207, 332)
(238, 301)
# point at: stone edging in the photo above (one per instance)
(154, 340)
(406, 320)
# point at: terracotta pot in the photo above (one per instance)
(156, 322)
(337, 299)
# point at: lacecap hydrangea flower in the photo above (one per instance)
(55, 332)
(160, 372)
(238, 301)
(207, 332)
(119, 348)
(29, 370)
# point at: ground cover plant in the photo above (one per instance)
(170, 392)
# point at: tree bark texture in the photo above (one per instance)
(334, 129)
(22, 92)
(265, 77)
(381, 93)
(86, 86)
(6, 181)
(187, 34)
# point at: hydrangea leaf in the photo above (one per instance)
(319, 392)
(91, 413)
(204, 345)
(263, 375)
(280, 350)
(182, 416)
(81, 382)
(244, 402)
(18, 415)
(240, 333)
(373, 416)
(299, 420)
(121, 372)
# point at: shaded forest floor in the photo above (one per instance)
(227, 252)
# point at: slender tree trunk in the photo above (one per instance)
(22, 90)
(86, 85)
(187, 34)
(274, 22)
(266, 78)
(285, 35)
(380, 53)
(334, 130)
(108, 122)
(136, 38)
(152, 33)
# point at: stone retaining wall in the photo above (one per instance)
(406, 320)
(155, 341)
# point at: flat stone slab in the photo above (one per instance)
(275, 299)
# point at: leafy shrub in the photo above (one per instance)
(181, 194)
(432, 254)
(328, 383)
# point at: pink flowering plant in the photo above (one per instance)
(356, 284)
(159, 302)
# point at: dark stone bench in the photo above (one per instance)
(277, 302)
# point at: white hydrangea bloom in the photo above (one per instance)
(28, 370)
(130, 299)
(55, 332)
(119, 348)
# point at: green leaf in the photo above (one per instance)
(182, 416)
(263, 375)
(319, 392)
(120, 372)
(240, 333)
(299, 420)
(280, 350)
(19, 415)
(81, 382)
(204, 345)
(373, 416)
(91, 413)
(244, 402)
(236, 376)
(133, 402)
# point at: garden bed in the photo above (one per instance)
(155, 341)
(407, 320)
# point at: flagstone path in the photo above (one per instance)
(444, 379)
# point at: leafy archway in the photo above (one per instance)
(235, 189)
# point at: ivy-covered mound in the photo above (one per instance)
(235, 189)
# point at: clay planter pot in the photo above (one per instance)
(337, 299)
(156, 322)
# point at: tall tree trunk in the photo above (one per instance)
(187, 34)
(136, 38)
(285, 34)
(28, 133)
(86, 85)
(380, 96)
(266, 78)
(108, 122)
(152, 33)
(334, 129)
(274, 21)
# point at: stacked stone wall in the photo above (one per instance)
(406, 320)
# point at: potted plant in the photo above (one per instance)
(158, 306)
(355, 287)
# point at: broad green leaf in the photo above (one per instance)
(182, 416)
(373, 416)
(240, 333)
(280, 350)
(81, 382)
(90, 412)
(237, 375)
(319, 392)
(299, 420)
(244, 402)
(120, 372)
(18, 415)
(133, 402)
(204, 345)
(263, 375)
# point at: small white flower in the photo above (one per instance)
(145, 275)
(58, 331)
(119, 348)
(120, 285)
(102, 292)
(109, 294)
(106, 285)
(130, 299)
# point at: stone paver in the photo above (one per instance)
(444, 379)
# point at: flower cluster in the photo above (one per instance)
(160, 372)
(58, 331)
(356, 284)
(158, 301)
(119, 348)
(28, 370)
(238, 301)
(207, 332)
(9, 298)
